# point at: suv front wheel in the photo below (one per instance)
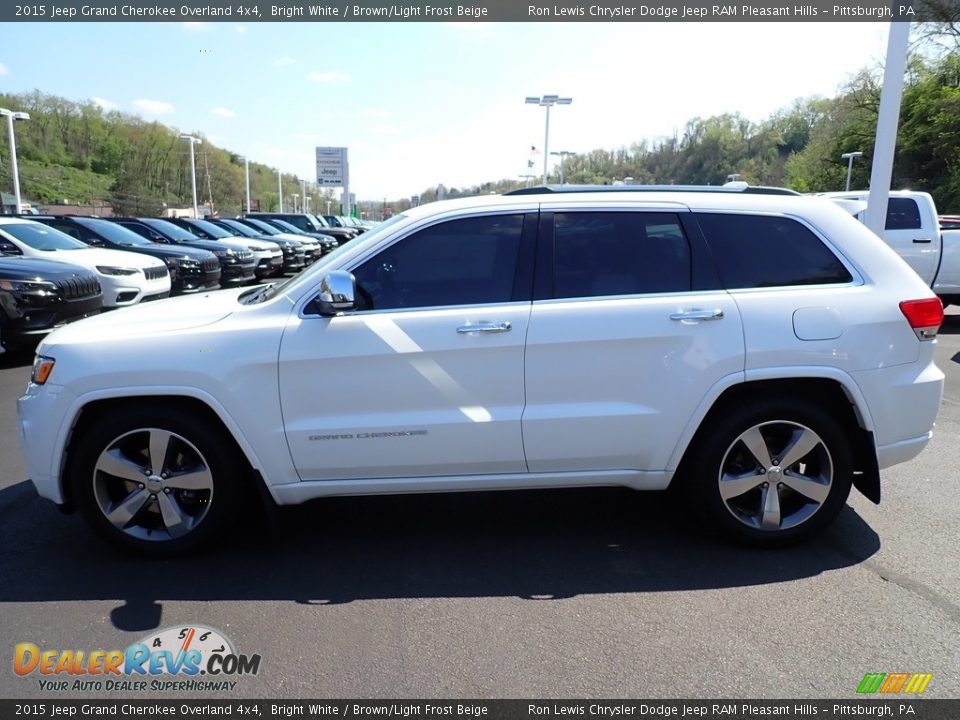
(157, 481)
(772, 472)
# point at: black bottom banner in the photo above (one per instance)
(500, 709)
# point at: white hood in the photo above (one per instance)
(91, 257)
(253, 244)
(160, 316)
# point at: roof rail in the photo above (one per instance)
(729, 188)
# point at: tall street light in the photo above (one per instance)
(193, 169)
(279, 191)
(547, 101)
(849, 158)
(303, 194)
(246, 162)
(562, 154)
(15, 171)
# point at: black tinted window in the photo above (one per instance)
(460, 262)
(619, 253)
(902, 214)
(761, 251)
(64, 227)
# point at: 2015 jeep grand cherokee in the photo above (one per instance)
(763, 351)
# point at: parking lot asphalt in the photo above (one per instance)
(576, 593)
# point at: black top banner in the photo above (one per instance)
(468, 11)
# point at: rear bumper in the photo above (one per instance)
(903, 402)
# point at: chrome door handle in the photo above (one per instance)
(697, 315)
(922, 240)
(485, 327)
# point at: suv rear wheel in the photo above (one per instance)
(772, 472)
(157, 481)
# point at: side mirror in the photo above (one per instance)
(338, 292)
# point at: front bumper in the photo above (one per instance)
(269, 266)
(196, 280)
(31, 319)
(234, 274)
(41, 413)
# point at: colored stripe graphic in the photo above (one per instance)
(918, 683)
(871, 682)
(894, 683)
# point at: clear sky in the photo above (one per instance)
(419, 104)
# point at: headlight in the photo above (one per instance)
(42, 367)
(225, 253)
(36, 287)
(185, 263)
(111, 270)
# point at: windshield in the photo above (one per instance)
(41, 237)
(237, 227)
(319, 221)
(211, 229)
(169, 229)
(287, 227)
(265, 227)
(114, 233)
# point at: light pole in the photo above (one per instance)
(328, 207)
(193, 169)
(14, 170)
(547, 101)
(279, 191)
(849, 158)
(295, 196)
(246, 163)
(562, 154)
(303, 194)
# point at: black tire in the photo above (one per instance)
(178, 507)
(721, 465)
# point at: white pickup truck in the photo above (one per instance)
(914, 230)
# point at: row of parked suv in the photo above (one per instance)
(59, 268)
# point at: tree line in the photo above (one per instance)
(84, 154)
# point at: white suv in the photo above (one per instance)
(127, 278)
(762, 351)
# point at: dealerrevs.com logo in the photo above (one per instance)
(194, 658)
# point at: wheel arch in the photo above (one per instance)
(92, 409)
(839, 394)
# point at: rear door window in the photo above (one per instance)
(599, 254)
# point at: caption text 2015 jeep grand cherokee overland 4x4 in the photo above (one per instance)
(765, 352)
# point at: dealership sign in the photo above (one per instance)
(332, 168)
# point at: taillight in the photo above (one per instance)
(924, 316)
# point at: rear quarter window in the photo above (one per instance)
(754, 251)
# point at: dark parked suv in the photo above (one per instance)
(310, 223)
(236, 262)
(294, 252)
(37, 296)
(191, 269)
